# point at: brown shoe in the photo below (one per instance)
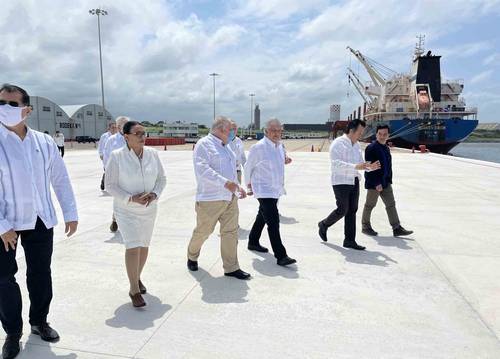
(137, 300)
(113, 227)
(142, 288)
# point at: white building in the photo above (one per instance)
(72, 121)
(87, 120)
(334, 113)
(180, 129)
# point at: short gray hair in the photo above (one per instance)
(121, 121)
(221, 123)
(272, 121)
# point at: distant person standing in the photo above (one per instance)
(102, 144)
(115, 142)
(59, 139)
(217, 198)
(136, 179)
(265, 178)
(379, 184)
(346, 160)
(236, 145)
(30, 165)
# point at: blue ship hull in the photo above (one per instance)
(438, 135)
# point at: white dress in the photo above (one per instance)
(126, 176)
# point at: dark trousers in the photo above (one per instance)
(102, 181)
(268, 214)
(61, 150)
(347, 197)
(37, 244)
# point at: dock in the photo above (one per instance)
(435, 294)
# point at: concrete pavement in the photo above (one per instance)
(433, 295)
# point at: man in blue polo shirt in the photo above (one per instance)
(379, 183)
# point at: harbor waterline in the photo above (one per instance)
(484, 151)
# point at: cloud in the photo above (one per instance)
(277, 9)
(493, 59)
(157, 54)
(482, 76)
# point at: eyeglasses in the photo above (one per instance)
(139, 134)
(11, 103)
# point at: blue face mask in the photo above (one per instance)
(231, 136)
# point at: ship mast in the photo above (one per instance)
(419, 46)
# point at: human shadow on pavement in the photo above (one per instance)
(362, 257)
(36, 348)
(116, 238)
(126, 316)
(243, 233)
(267, 266)
(219, 290)
(287, 220)
(388, 241)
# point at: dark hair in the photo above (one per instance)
(128, 126)
(354, 124)
(383, 127)
(13, 88)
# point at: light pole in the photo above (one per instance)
(214, 75)
(99, 13)
(251, 110)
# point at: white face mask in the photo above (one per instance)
(11, 116)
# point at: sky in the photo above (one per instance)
(158, 54)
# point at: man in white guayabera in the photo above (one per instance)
(115, 142)
(217, 197)
(29, 164)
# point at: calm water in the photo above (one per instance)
(478, 151)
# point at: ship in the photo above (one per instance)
(421, 109)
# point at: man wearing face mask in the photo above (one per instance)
(236, 145)
(29, 164)
(115, 142)
(217, 197)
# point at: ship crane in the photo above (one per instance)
(358, 85)
(376, 77)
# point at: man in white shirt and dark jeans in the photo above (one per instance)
(346, 162)
(217, 197)
(59, 140)
(115, 142)
(102, 145)
(265, 178)
(29, 164)
(236, 145)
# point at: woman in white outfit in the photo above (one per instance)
(135, 178)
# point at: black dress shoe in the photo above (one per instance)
(192, 265)
(400, 231)
(142, 288)
(238, 274)
(11, 347)
(322, 231)
(285, 261)
(45, 332)
(257, 248)
(369, 231)
(113, 227)
(354, 246)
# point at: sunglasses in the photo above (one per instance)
(139, 134)
(11, 103)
